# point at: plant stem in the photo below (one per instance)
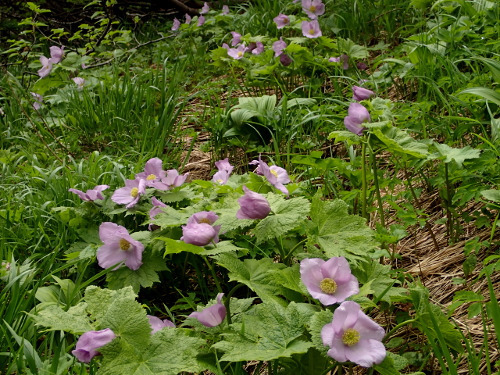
(212, 271)
(363, 180)
(377, 189)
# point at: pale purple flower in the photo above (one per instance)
(174, 179)
(311, 29)
(158, 324)
(285, 60)
(56, 54)
(188, 19)
(199, 230)
(276, 176)
(205, 8)
(176, 25)
(224, 165)
(343, 58)
(362, 66)
(213, 315)
(313, 8)
(153, 173)
(80, 82)
(278, 47)
(281, 20)
(236, 38)
(201, 20)
(353, 336)
(131, 193)
(356, 115)
(360, 93)
(157, 207)
(259, 48)
(237, 53)
(91, 194)
(89, 342)
(225, 9)
(38, 100)
(328, 281)
(224, 171)
(252, 205)
(225, 46)
(44, 71)
(118, 247)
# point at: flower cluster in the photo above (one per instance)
(56, 54)
(224, 171)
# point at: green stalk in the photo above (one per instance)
(377, 189)
(212, 271)
(363, 180)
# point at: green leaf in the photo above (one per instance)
(145, 276)
(492, 195)
(286, 215)
(171, 217)
(170, 352)
(459, 155)
(223, 247)
(337, 232)
(178, 246)
(267, 332)
(255, 274)
(399, 141)
(391, 364)
(260, 107)
(483, 92)
(316, 324)
(376, 281)
(74, 320)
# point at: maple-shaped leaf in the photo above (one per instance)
(459, 155)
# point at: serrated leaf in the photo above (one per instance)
(223, 247)
(170, 352)
(337, 232)
(178, 246)
(316, 324)
(171, 217)
(145, 276)
(74, 320)
(271, 331)
(459, 155)
(399, 141)
(376, 281)
(391, 364)
(98, 300)
(228, 221)
(287, 215)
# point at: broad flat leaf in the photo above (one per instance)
(316, 324)
(119, 311)
(256, 274)
(170, 352)
(247, 108)
(74, 320)
(223, 247)
(337, 232)
(170, 217)
(178, 246)
(459, 155)
(375, 280)
(399, 141)
(269, 331)
(483, 92)
(492, 195)
(227, 217)
(145, 276)
(286, 215)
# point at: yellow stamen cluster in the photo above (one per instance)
(151, 177)
(274, 172)
(328, 286)
(124, 244)
(134, 192)
(312, 8)
(240, 53)
(311, 31)
(204, 220)
(350, 337)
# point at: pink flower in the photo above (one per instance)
(353, 336)
(285, 60)
(224, 172)
(174, 179)
(46, 68)
(313, 8)
(176, 25)
(91, 194)
(89, 342)
(188, 19)
(343, 58)
(153, 173)
(131, 193)
(157, 208)
(329, 282)
(225, 46)
(118, 247)
(201, 20)
(225, 9)
(356, 115)
(252, 205)
(281, 20)
(56, 54)
(236, 38)
(278, 47)
(213, 315)
(205, 8)
(158, 324)
(259, 48)
(38, 100)
(360, 93)
(199, 230)
(79, 82)
(276, 176)
(237, 53)
(311, 29)
(362, 66)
